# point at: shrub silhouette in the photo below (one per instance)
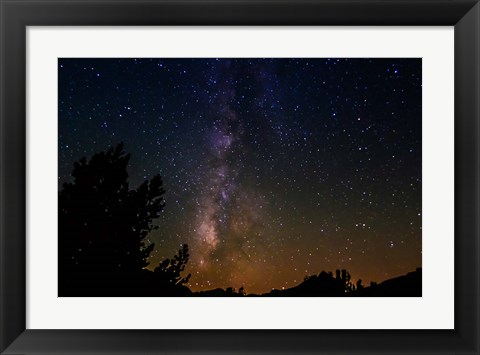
(103, 228)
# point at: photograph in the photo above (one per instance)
(240, 177)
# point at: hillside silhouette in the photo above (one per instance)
(409, 285)
(326, 284)
(104, 249)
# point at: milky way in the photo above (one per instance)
(273, 168)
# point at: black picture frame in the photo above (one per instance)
(16, 15)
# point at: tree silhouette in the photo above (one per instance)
(241, 291)
(168, 271)
(103, 226)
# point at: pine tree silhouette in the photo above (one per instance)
(168, 271)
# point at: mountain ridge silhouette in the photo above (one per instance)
(408, 285)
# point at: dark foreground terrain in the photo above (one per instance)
(321, 285)
(327, 285)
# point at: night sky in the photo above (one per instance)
(273, 168)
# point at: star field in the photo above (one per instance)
(273, 168)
